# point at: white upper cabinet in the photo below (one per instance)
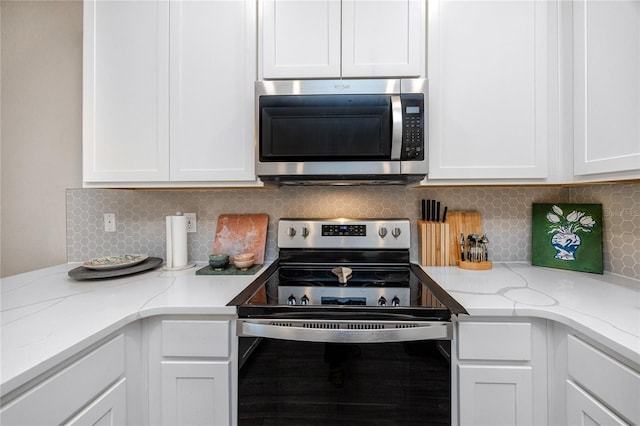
(606, 86)
(125, 90)
(212, 76)
(491, 93)
(348, 38)
(168, 93)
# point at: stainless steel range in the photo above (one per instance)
(345, 270)
(343, 328)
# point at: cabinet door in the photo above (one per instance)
(606, 86)
(301, 39)
(495, 395)
(488, 68)
(382, 38)
(125, 91)
(213, 51)
(108, 409)
(584, 410)
(196, 393)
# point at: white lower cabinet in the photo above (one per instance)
(583, 409)
(191, 370)
(108, 409)
(495, 394)
(90, 390)
(500, 372)
(600, 390)
(195, 393)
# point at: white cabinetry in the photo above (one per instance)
(168, 92)
(606, 87)
(125, 91)
(191, 371)
(491, 67)
(583, 409)
(500, 370)
(599, 388)
(94, 386)
(348, 38)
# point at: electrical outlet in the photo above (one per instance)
(192, 222)
(109, 222)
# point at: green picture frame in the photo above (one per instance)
(567, 236)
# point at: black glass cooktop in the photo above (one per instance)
(424, 298)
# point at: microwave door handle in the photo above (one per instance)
(396, 121)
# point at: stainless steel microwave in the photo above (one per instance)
(341, 131)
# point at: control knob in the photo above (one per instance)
(396, 232)
(382, 232)
(395, 301)
(291, 300)
(304, 300)
(382, 301)
(304, 231)
(291, 232)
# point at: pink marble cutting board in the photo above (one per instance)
(241, 233)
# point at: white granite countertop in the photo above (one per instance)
(603, 307)
(47, 317)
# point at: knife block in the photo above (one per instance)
(433, 242)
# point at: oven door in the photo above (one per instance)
(316, 373)
(329, 128)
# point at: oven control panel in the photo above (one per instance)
(344, 230)
(344, 233)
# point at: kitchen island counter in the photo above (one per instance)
(605, 308)
(48, 317)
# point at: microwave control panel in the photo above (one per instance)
(412, 126)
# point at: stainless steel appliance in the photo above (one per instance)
(341, 131)
(343, 329)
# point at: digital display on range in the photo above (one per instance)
(344, 230)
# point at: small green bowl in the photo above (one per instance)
(218, 261)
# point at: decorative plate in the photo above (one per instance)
(114, 262)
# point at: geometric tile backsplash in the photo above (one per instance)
(505, 212)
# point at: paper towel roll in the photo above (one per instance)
(177, 256)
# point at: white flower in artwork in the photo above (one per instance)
(572, 223)
(587, 221)
(553, 218)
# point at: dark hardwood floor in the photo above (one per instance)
(301, 383)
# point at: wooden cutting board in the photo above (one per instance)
(461, 222)
(241, 233)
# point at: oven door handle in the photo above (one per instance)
(328, 332)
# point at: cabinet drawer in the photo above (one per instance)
(613, 383)
(57, 398)
(198, 338)
(494, 341)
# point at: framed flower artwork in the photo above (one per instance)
(567, 236)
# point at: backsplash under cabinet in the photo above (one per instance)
(506, 216)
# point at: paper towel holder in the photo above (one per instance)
(177, 247)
